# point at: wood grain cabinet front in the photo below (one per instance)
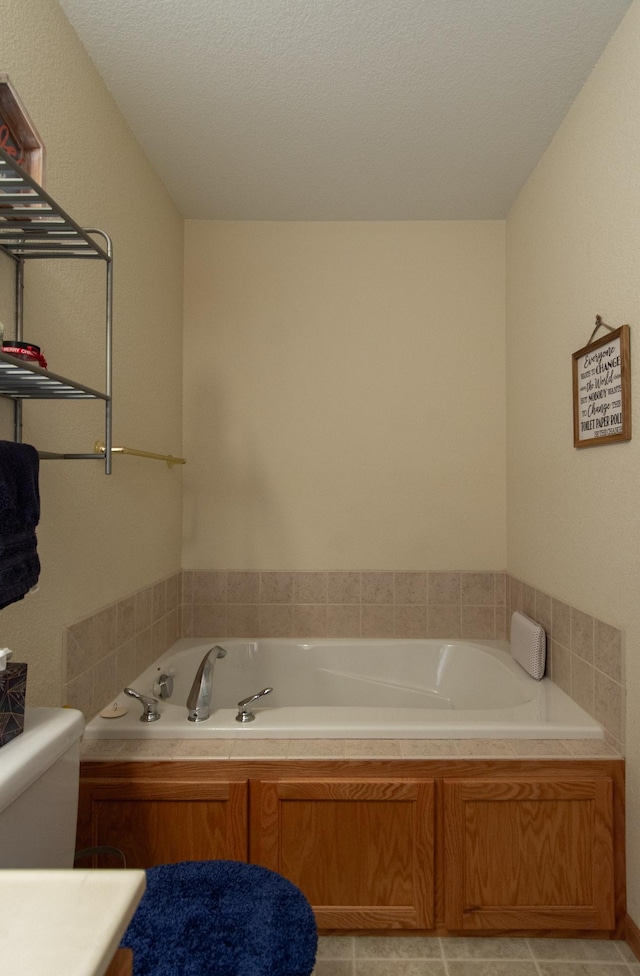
(529, 854)
(164, 821)
(362, 851)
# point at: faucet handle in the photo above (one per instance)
(149, 711)
(245, 714)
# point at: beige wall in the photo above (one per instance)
(573, 250)
(100, 537)
(344, 396)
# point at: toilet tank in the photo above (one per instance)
(39, 781)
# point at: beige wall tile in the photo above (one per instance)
(276, 587)
(243, 620)
(187, 621)
(79, 694)
(609, 705)
(561, 623)
(343, 620)
(377, 587)
(528, 601)
(372, 749)
(316, 749)
(543, 611)
(276, 620)
(478, 622)
(187, 586)
(159, 600)
(502, 624)
(104, 632)
(126, 664)
(211, 621)
(411, 588)
(477, 589)
(428, 748)
(444, 622)
(500, 584)
(209, 587)
(582, 635)
(259, 749)
(202, 749)
(125, 620)
(105, 682)
(144, 650)
(411, 621)
(172, 622)
(144, 609)
(607, 651)
(343, 587)
(79, 652)
(514, 594)
(582, 683)
(444, 588)
(159, 637)
(174, 590)
(559, 666)
(243, 587)
(484, 748)
(377, 621)
(310, 587)
(309, 621)
(540, 748)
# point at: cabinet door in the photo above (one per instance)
(361, 851)
(529, 854)
(159, 822)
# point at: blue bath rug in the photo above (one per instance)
(221, 918)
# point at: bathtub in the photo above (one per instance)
(354, 689)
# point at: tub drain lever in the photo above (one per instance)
(245, 714)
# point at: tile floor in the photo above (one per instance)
(418, 956)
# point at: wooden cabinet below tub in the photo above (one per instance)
(529, 853)
(362, 850)
(439, 846)
(163, 818)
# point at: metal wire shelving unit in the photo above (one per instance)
(34, 227)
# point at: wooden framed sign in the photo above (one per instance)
(18, 136)
(602, 390)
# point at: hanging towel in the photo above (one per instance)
(19, 515)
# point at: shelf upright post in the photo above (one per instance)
(108, 346)
(19, 330)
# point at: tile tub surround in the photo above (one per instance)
(454, 605)
(104, 652)
(585, 656)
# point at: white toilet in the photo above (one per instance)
(39, 780)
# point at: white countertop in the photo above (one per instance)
(64, 922)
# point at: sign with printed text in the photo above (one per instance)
(602, 391)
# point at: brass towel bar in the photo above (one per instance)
(100, 449)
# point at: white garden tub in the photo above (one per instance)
(353, 689)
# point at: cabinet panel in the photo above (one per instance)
(361, 851)
(154, 822)
(529, 854)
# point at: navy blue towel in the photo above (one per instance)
(19, 515)
(221, 918)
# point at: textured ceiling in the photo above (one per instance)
(344, 109)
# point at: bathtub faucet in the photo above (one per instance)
(245, 712)
(199, 698)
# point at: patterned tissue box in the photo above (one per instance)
(13, 687)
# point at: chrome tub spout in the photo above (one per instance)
(199, 699)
